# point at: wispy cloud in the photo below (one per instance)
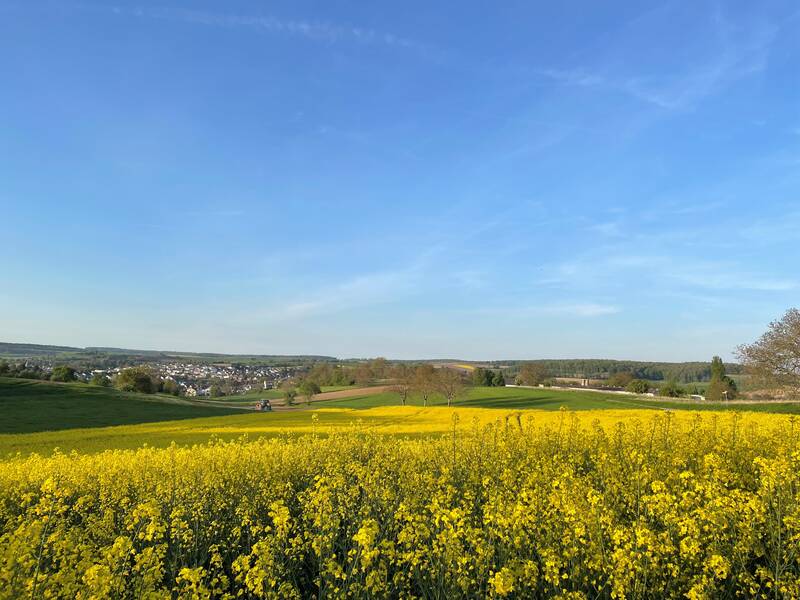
(608, 229)
(471, 279)
(664, 271)
(721, 278)
(360, 291)
(739, 53)
(776, 230)
(319, 31)
(672, 209)
(581, 310)
(566, 309)
(224, 213)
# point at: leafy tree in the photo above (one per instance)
(379, 367)
(363, 374)
(671, 389)
(343, 376)
(717, 368)
(289, 393)
(774, 359)
(498, 379)
(720, 390)
(63, 373)
(322, 374)
(694, 390)
(135, 379)
(482, 377)
(638, 386)
(4, 368)
(532, 373)
(367, 372)
(215, 391)
(309, 389)
(32, 372)
(721, 386)
(620, 380)
(100, 379)
(170, 387)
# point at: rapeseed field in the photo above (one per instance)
(527, 504)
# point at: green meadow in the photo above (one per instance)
(29, 406)
(42, 416)
(554, 399)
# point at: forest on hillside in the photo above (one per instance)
(599, 368)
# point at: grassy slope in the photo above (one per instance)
(384, 416)
(253, 396)
(553, 399)
(29, 406)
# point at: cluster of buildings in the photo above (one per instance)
(199, 379)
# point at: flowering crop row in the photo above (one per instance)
(572, 506)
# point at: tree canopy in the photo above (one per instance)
(136, 379)
(308, 388)
(63, 373)
(100, 379)
(721, 386)
(774, 359)
(532, 373)
(487, 377)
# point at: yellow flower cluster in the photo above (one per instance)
(572, 506)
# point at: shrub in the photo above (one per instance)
(532, 373)
(136, 379)
(638, 386)
(63, 373)
(620, 380)
(719, 390)
(672, 390)
(100, 379)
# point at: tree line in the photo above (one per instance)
(422, 381)
(686, 372)
(772, 361)
(22, 370)
(720, 386)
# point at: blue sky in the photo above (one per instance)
(416, 179)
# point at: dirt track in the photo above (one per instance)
(299, 402)
(366, 391)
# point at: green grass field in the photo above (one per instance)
(30, 406)
(42, 416)
(253, 396)
(553, 399)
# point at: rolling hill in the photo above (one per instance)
(28, 406)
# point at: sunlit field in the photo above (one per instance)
(392, 421)
(488, 503)
(511, 492)
(29, 406)
(41, 416)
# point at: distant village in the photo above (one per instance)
(241, 379)
(198, 379)
(192, 379)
